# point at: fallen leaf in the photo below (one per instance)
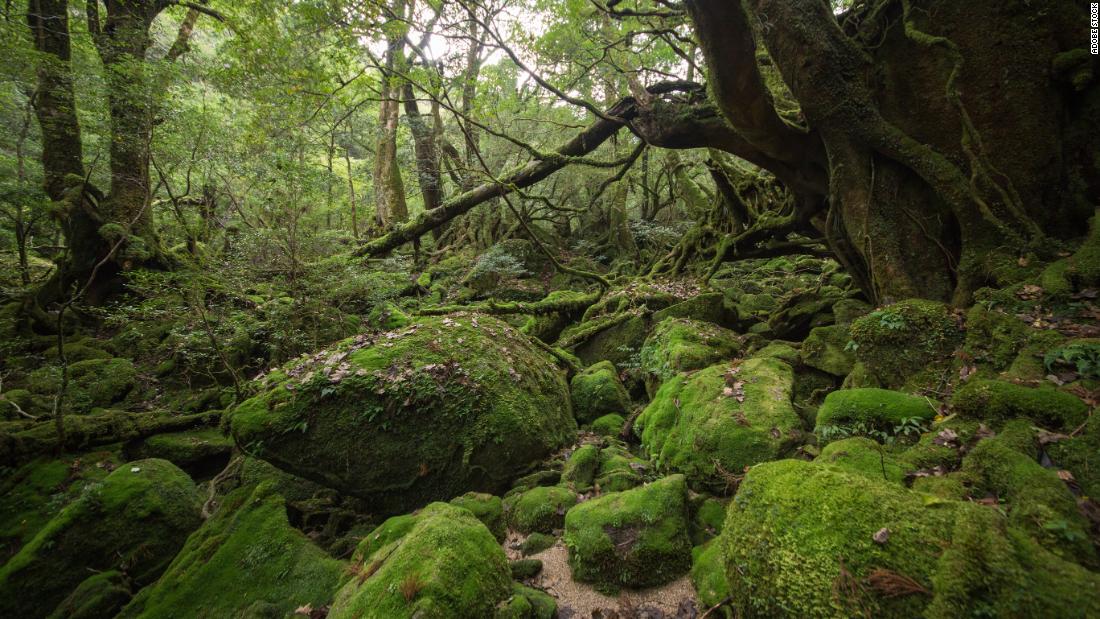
(881, 536)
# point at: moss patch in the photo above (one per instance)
(581, 468)
(826, 349)
(898, 342)
(487, 508)
(680, 345)
(869, 411)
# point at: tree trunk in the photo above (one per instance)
(939, 169)
(389, 190)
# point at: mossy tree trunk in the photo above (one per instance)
(389, 190)
(937, 165)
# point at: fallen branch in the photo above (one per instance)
(563, 303)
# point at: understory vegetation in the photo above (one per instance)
(534, 309)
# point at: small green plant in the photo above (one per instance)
(1084, 357)
(889, 320)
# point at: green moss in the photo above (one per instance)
(1039, 502)
(900, 341)
(863, 456)
(527, 603)
(779, 350)
(293, 488)
(708, 307)
(597, 391)
(708, 575)
(92, 383)
(1000, 401)
(536, 543)
(949, 486)
(408, 416)
(136, 520)
(799, 541)
(619, 469)
(100, 595)
(846, 311)
(1081, 456)
(388, 317)
(707, 519)
(869, 411)
(244, 559)
(679, 345)
(581, 468)
(826, 349)
(608, 425)
(725, 417)
(487, 508)
(183, 449)
(540, 509)
(446, 564)
(615, 338)
(994, 337)
(635, 538)
(523, 569)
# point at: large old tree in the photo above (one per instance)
(939, 142)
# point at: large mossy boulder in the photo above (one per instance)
(906, 342)
(597, 391)
(721, 419)
(440, 562)
(680, 345)
(135, 520)
(635, 538)
(810, 540)
(400, 418)
(244, 561)
(870, 411)
(997, 400)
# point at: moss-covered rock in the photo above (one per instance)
(100, 595)
(998, 400)
(619, 469)
(864, 456)
(870, 410)
(727, 417)
(188, 450)
(403, 417)
(487, 508)
(608, 425)
(994, 338)
(707, 307)
(846, 311)
(680, 345)
(901, 342)
(92, 383)
(597, 391)
(800, 541)
(31, 495)
(826, 349)
(614, 338)
(777, 349)
(708, 515)
(539, 510)
(1038, 501)
(536, 543)
(438, 563)
(135, 520)
(244, 561)
(527, 603)
(581, 468)
(708, 575)
(635, 538)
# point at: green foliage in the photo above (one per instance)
(1083, 356)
